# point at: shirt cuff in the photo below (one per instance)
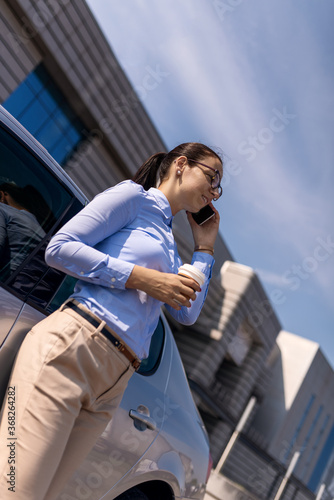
(115, 275)
(204, 262)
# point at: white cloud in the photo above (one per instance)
(271, 278)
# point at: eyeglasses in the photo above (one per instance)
(215, 179)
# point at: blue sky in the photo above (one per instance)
(254, 80)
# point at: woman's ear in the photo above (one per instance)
(180, 163)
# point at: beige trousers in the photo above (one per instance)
(67, 382)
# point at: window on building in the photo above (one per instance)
(298, 429)
(43, 109)
(324, 459)
(311, 429)
(315, 446)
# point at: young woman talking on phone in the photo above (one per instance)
(70, 374)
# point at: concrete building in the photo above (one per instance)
(297, 412)
(60, 78)
(292, 429)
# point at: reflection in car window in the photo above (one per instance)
(35, 279)
(32, 200)
(20, 231)
(151, 363)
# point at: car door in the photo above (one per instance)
(132, 430)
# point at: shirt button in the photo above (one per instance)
(113, 280)
(82, 273)
(112, 286)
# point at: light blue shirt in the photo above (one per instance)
(121, 227)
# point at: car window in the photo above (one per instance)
(35, 281)
(151, 363)
(63, 292)
(33, 205)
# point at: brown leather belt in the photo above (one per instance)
(95, 321)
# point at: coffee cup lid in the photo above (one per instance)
(192, 272)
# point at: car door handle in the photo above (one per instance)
(142, 419)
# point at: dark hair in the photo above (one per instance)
(32, 200)
(157, 166)
(16, 192)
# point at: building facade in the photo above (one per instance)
(61, 80)
(297, 413)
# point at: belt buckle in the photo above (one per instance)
(136, 364)
(119, 346)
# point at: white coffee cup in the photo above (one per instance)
(192, 272)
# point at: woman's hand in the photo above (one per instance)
(169, 288)
(206, 234)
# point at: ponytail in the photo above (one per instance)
(148, 174)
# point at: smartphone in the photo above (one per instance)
(203, 215)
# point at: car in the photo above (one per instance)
(156, 446)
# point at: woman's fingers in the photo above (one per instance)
(185, 294)
(169, 288)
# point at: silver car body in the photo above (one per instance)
(156, 442)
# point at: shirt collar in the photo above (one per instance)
(163, 204)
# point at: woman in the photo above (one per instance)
(70, 374)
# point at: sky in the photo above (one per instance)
(254, 80)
